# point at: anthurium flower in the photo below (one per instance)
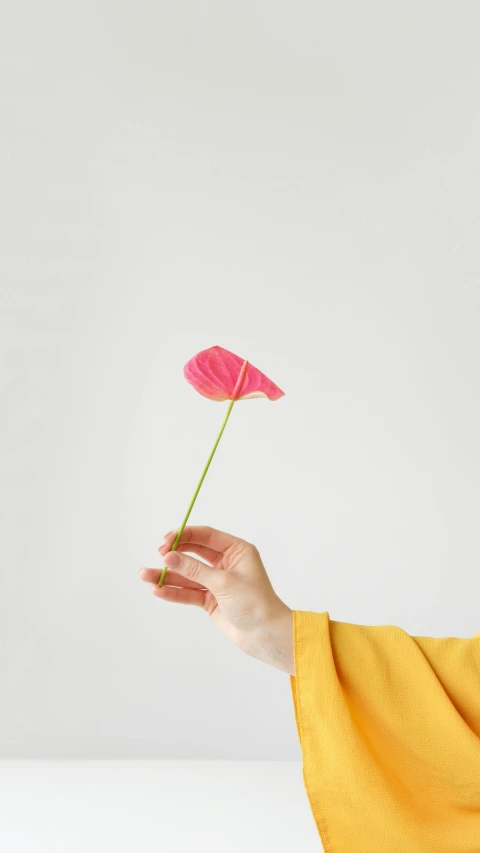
(220, 375)
(215, 372)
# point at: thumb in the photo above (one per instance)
(195, 570)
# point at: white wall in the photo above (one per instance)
(300, 184)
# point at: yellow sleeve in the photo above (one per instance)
(389, 726)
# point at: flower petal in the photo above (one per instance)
(214, 373)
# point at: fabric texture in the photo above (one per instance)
(389, 726)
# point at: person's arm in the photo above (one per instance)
(228, 580)
(389, 723)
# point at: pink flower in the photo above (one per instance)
(219, 375)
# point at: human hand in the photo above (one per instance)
(231, 584)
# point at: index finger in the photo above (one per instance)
(217, 540)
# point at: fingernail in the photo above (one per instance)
(172, 560)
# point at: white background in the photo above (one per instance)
(298, 183)
(174, 806)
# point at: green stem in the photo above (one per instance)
(179, 534)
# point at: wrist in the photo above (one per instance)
(274, 642)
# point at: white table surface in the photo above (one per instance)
(120, 806)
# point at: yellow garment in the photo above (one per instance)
(389, 726)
